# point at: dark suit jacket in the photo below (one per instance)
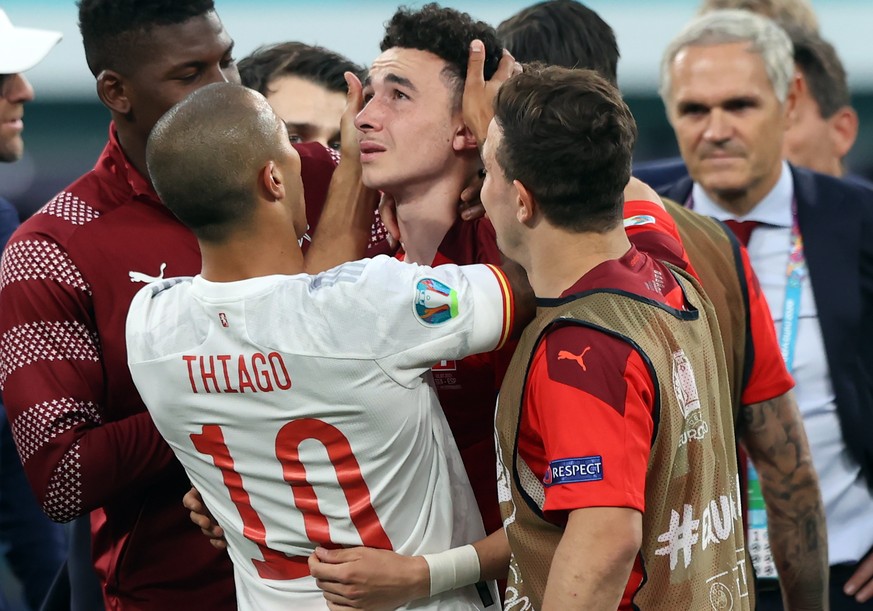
(836, 221)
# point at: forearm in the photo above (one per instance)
(522, 295)
(92, 464)
(777, 445)
(75, 460)
(494, 555)
(594, 559)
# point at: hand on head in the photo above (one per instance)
(478, 93)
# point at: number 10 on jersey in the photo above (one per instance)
(275, 564)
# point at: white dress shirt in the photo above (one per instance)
(847, 500)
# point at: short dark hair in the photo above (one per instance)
(317, 64)
(562, 33)
(446, 33)
(823, 71)
(568, 137)
(203, 153)
(110, 28)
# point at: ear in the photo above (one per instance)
(795, 89)
(526, 203)
(464, 140)
(112, 92)
(843, 130)
(271, 182)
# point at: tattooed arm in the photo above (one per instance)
(776, 442)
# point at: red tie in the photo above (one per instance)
(742, 229)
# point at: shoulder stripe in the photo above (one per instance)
(39, 424)
(508, 304)
(70, 208)
(40, 260)
(45, 341)
(348, 272)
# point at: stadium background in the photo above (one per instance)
(66, 126)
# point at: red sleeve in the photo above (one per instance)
(587, 421)
(52, 374)
(653, 231)
(768, 378)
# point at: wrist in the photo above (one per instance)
(452, 569)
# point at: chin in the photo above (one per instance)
(10, 154)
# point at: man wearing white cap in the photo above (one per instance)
(20, 49)
(35, 547)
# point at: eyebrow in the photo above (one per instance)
(199, 64)
(299, 126)
(393, 78)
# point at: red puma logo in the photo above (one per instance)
(563, 354)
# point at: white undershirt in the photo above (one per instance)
(848, 502)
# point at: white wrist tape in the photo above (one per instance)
(452, 569)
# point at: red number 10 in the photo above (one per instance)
(275, 564)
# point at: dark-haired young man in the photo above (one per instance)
(618, 390)
(416, 147)
(69, 273)
(768, 421)
(305, 86)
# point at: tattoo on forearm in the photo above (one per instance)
(776, 442)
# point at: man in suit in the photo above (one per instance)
(726, 81)
(824, 126)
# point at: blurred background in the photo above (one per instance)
(66, 126)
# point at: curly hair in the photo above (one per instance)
(317, 64)
(447, 33)
(109, 28)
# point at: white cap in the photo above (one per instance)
(23, 48)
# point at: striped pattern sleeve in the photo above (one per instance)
(53, 380)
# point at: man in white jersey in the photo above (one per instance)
(300, 405)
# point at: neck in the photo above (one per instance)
(426, 214)
(557, 258)
(249, 254)
(133, 146)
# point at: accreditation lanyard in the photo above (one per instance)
(795, 272)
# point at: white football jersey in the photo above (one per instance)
(302, 409)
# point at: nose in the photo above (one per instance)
(718, 128)
(16, 89)
(369, 117)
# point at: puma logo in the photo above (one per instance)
(140, 277)
(564, 355)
